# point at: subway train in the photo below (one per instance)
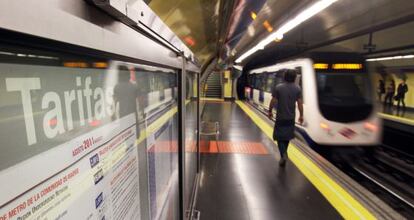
(339, 106)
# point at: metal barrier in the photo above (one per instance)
(210, 128)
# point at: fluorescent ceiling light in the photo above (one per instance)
(27, 55)
(7, 53)
(391, 58)
(237, 67)
(291, 24)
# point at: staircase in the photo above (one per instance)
(214, 86)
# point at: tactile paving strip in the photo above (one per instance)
(233, 147)
(213, 147)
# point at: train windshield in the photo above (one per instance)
(344, 97)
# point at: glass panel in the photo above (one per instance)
(161, 143)
(340, 94)
(191, 137)
(86, 138)
(270, 82)
(344, 88)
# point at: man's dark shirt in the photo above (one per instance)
(286, 94)
(402, 89)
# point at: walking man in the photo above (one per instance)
(284, 97)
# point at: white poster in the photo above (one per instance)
(100, 180)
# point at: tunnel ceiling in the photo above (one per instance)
(210, 28)
(388, 41)
(258, 21)
(195, 22)
(344, 26)
(226, 29)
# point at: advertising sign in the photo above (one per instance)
(67, 144)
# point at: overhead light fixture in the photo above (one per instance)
(28, 55)
(237, 67)
(291, 24)
(253, 15)
(390, 58)
(7, 53)
(268, 26)
(190, 41)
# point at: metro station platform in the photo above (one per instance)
(401, 116)
(241, 178)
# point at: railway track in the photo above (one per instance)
(386, 170)
(390, 184)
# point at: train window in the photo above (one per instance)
(269, 84)
(279, 76)
(299, 80)
(264, 81)
(260, 81)
(253, 81)
(256, 80)
(344, 97)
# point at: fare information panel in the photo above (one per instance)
(67, 152)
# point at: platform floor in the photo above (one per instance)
(408, 113)
(247, 182)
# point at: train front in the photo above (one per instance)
(345, 99)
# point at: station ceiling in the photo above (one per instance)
(195, 22)
(225, 29)
(344, 26)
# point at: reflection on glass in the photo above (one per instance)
(191, 136)
(94, 138)
(342, 92)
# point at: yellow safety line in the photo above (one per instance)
(339, 198)
(153, 127)
(397, 118)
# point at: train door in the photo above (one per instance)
(246, 82)
(268, 88)
(253, 86)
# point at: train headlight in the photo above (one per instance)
(325, 126)
(370, 127)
